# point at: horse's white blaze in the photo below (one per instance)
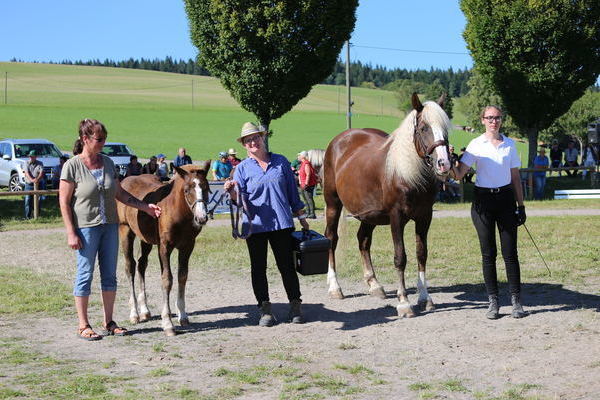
(443, 158)
(199, 209)
(422, 287)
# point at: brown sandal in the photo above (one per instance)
(88, 333)
(112, 329)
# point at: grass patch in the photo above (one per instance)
(354, 369)
(158, 372)
(25, 292)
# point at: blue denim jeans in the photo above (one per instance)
(101, 240)
(29, 199)
(539, 184)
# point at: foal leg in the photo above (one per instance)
(332, 214)
(421, 229)
(398, 223)
(167, 283)
(142, 265)
(127, 238)
(365, 236)
(182, 273)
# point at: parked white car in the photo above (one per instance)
(120, 153)
(14, 155)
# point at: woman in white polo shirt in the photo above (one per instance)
(497, 201)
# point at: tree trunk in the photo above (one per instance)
(266, 126)
(532, 136)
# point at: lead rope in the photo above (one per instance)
(235, 216)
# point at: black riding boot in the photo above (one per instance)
(517, 311)
(493, 311)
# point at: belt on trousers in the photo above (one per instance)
(497, 190)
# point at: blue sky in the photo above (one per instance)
(392, 33)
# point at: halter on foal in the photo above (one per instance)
(184, 213)
(388, 180)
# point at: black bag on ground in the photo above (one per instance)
(311, 252)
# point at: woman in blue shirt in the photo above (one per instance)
(266, 181)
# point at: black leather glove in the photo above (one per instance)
(521, 216)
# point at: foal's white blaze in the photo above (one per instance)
(422, 288)
(199, 209)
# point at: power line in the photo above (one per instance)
(410, 50)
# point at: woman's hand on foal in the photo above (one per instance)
(153, 210)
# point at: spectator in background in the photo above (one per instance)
(307, 178)
(453, 156)
(469, 174)
(295, 164)
(162, 168)
(134, 167)
(555, 156)
(182, 158)
(541, 163)
(589, 158)
(57, 171)
(231, 157)
(34, 180)
(221, 168)
(150, 167)
(571, 154)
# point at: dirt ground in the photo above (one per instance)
(452, 352)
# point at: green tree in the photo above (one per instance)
(480, 95)
(269, 54)
(575, 121)
(538, 55)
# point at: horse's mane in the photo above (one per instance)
(402, 160)
(315, 156)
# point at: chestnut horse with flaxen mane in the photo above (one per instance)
(386, 179)
(184, 212)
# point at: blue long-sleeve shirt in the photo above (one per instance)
(272, 195)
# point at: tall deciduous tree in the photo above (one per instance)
(269, 54)
(539, 55)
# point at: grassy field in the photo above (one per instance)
(154, 111)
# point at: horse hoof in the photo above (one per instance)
(134, 320)
(405, 311)
(184, 322)
(378, 292)
(336, 294)
(145, 317)
(170, 332)
(426, 305)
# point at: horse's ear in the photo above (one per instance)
(181, 172)
(442, 100)
(416, 102)
(206, 166)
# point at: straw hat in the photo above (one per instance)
(250, 129)
(231, 152)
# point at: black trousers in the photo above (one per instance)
(281, 244)
(488, 211)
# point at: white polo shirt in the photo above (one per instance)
(492, 163)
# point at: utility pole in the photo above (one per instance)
(349, 113)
